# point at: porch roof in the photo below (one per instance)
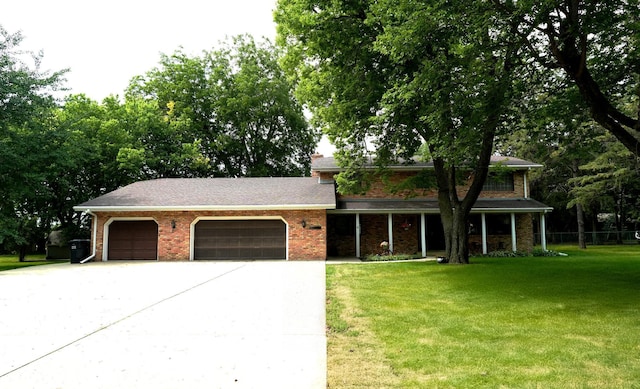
(489, 205)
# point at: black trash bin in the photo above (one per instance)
(79, 249)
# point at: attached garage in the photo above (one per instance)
(240, 239)
(133, 240)
(180, 219)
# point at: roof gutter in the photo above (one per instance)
(514, 210)
(416, 167)
(148, 208)
(94, 238)
(410, 211)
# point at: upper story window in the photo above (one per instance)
(502, 182)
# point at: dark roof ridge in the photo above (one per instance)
(329, 164)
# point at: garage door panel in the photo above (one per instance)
(240, 239)
(136, 240)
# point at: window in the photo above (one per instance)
(498, 224)
(499, 183)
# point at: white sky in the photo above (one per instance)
(106, 43)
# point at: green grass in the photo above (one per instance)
(530, 322)
(8, 262)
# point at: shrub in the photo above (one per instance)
(542, 253)
(390, 257)
(506, 254)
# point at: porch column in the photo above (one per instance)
(423, 234)
(390, 228)
(358, 229)
(513, 232)
(483, 217)
(543, 232)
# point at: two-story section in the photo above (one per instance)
(504, 218)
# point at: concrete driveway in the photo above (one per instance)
(164, 325)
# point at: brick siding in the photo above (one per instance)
(336, 237)
(379, 188)
(304, 243)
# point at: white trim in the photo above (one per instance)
(390, 229)
(437, 211)
(286, 207)
(192, 229)
(543, 232)
(526, 189)
(383, 211)
(358, 231)
(514, 247)
(423, 234)
(510, 210)
(483, 217)
(105, 232)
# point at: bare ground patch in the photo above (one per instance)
(353, 359)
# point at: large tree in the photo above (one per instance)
(159, 143)
(400, 74)
(612, 180)
(238, 106)
(83, 141)
(26, 97)
(555, 127)
(595, 45)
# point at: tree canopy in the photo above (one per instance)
(236, 105)
(25, 102)
(230, 112)
(399, 75)
(396, 74)
(595, 45)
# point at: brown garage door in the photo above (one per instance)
(133, 240)
(240, 239)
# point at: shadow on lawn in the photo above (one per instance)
(586, 279)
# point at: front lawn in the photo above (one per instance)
(530, 322)
(8, 262)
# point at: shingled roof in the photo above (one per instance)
(518, 205)
(217, 194)
(329, 164)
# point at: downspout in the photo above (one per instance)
(358, 230)
(390, 232)
(94, 231)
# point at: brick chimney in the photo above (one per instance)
(314, 157)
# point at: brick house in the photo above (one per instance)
(299, 218)
(503, 217)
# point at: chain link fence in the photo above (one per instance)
(593, 238)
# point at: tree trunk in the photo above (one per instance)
(22, 253)
(582, 242)
(455, 213)
(456, 237)
(453, 210)
(619, 217)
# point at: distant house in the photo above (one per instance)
(300, 218)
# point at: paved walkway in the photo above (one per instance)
(164, 325)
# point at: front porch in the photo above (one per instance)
(360, 232)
